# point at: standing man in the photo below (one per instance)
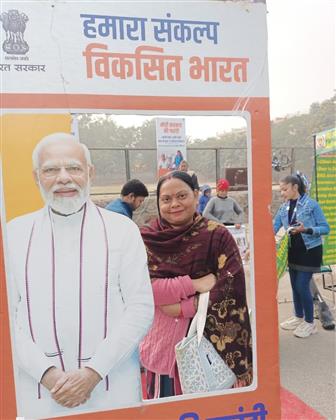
(83, 294)
(133, 194)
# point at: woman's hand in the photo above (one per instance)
(205, 283)
(299, 228)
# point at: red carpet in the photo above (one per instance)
(292, 408)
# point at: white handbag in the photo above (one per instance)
(200, 367)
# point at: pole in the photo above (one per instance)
(315, 166)
(127, 165)
(217, 151)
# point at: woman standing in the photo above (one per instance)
(178, 159)
(224, 209)
(304, 222)
(187, 255)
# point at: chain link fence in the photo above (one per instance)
(114, 166)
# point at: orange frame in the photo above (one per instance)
(268, 385)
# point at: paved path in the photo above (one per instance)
(307, 366)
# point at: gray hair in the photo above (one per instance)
(55, 138)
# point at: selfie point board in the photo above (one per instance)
(149, 58)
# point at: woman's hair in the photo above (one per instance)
(296, 179)
(182, 176)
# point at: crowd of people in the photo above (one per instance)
(304, 222)
(134, 314)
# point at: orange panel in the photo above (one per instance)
(7, 394)
(268, 390)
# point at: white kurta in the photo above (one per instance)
(84, 319)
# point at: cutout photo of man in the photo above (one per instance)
(82, 294)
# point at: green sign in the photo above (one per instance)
(325, 141)
(282, 255)
(324, 188)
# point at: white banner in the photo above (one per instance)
(170, 143)
(215, 49)
(239, 236)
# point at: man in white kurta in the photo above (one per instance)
(83, 299)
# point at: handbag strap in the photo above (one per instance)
(198, 323)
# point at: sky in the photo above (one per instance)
(301, 60)
(301, 53)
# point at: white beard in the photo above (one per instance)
(66, 205)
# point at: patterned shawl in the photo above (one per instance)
(196, 250)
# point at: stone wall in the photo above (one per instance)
(149, 210)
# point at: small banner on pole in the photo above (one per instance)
(170, 143)
(239, 236)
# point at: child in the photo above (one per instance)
(224, 209)
(204, 198)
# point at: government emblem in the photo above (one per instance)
(14, 24)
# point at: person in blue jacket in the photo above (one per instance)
(178, 159)
(133, 194)
(204, 198)
(305, 223)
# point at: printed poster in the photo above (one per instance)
(240, 237)
(170, 143)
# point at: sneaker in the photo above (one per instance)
(291, 323)
(305, 329)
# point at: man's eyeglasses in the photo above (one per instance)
(54, 171)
